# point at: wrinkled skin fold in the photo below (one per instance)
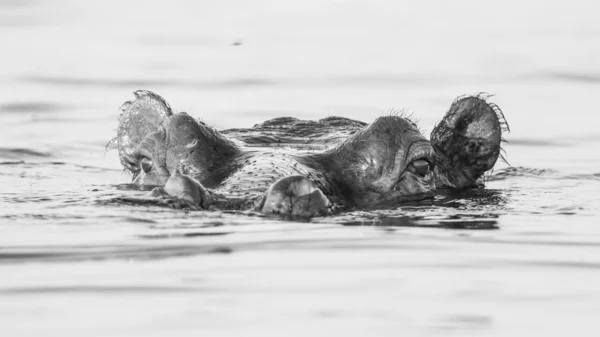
(306, 168)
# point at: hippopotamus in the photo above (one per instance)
(307, 168)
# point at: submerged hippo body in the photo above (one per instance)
(306, 168)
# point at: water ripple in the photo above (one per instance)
(129, 289)
(32, 107)
(17, 153)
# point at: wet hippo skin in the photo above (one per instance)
(306, 168)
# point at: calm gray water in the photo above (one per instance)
(78, 257)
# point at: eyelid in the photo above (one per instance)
(430, 161)
(142, 152)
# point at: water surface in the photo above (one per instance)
(82, 252)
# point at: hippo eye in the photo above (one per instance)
(146, 164)
(422, 167)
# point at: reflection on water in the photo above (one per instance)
(452, 222)
(82, 250)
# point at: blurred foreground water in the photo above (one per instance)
(522, 256)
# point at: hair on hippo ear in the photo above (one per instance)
(139, 118)
(112, 144)
(504, 127)
(482, 96)
(468, 140)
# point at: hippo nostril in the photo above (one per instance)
(421, 167)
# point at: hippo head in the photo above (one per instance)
(389, 160)
(155, 144)
(181, 145)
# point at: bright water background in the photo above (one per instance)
(522, 257)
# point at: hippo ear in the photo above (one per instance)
(467, 141)
(139, 118)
